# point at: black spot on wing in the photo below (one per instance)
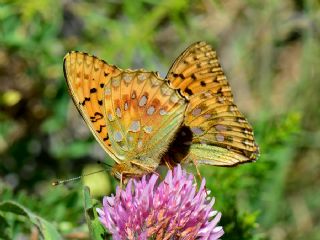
(100, 128)
(93, 90)
(175, 75)
(86, 99)
(182, 76)
(97, 116)
(106, 138)
(189, 91)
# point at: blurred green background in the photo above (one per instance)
(270, 51)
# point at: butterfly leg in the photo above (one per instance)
(121, 180)
(166, 160)
(194, 160)
(167, 163)
(197, 169)
(124, 179)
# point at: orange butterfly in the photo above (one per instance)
(142, 120)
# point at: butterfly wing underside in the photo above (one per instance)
(220, 133)
(133, 114)
(143, 114)
(86, 76)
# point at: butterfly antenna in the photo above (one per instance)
(59, 182)
(106, 164)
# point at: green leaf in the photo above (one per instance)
(3, 228)
(95, 227)
(46, 229)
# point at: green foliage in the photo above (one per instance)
(270, 52)
(46, 229)
(57, 215)
(269, 171)
(95, 228)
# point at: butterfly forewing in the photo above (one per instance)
(86, 76)
(220, 133)
(195, 68)
(134, 114)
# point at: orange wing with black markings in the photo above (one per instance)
(220, 133)
(133, 114)
(86, 76)
(141, 119)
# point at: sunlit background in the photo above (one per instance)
(270, 51)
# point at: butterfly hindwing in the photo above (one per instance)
(143, 114)
(220, 133)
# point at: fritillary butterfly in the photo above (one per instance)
(142, 120)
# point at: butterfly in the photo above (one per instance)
(142, 120)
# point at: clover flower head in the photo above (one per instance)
(172, 209)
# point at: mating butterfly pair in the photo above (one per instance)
(142, 120)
